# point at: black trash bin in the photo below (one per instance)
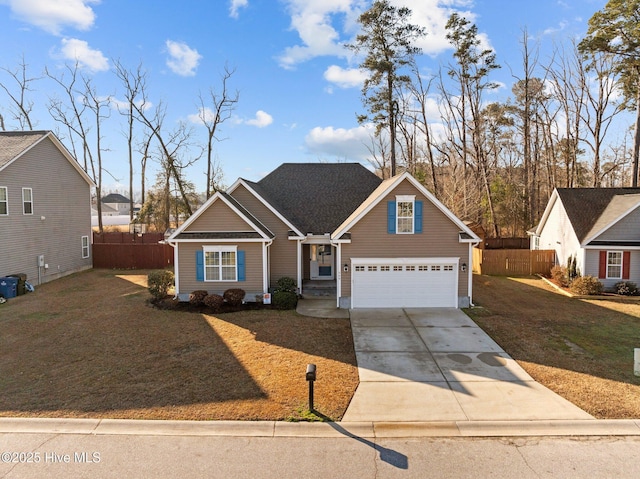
(21, 287)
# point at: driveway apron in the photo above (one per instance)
(436, 364)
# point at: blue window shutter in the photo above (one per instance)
(199, 266)
(241, 266)
(418, 217)
(391, 217)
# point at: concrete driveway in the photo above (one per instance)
(437, 365)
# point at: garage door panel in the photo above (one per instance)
(407, 285)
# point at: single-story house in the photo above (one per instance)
(377, 243)
(599, 227)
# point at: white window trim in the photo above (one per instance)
(406, 199)
(6, 200)
(219, 249)
(615, 265)
(85, 247)
(24, 202)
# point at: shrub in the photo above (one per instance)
(214, 302)
(234, 296)
(197, 297)
(626, 288)
(159, 282)
(287, 284)
(586, 285)
(559, 275)
(284, 300)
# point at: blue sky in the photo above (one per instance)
(299, 88)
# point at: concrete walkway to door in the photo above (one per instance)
(437, 365)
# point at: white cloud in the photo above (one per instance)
(312, 19)
(345, 77)
(340, 142)
(321, 23)
(261, 119)
(53, 15)
(182, 60)
(207, 113)
(235, 6)
(87, 58)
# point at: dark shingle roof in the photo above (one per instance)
(220, 235)
(584, 206)
(317, 197)
(115, 198)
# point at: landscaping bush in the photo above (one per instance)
(214, 302)
(560, 276)
(234, 296)
(284, 300)
(159, 282)
(586, 285)
(287, 284)
(197, 297)
(626, 288)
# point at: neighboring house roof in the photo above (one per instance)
(591, 210)
(14, 144)
(316, 197)
(115, 198)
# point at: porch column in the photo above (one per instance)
(338, 269)
(299, 251)
(470, 274)
(265, 266)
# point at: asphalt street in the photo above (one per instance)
(109, 456)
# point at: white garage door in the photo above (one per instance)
(404, 283)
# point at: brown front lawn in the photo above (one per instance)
(581, 349)
(89, 345)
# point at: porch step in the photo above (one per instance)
(319, 289)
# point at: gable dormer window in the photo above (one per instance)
(404, 215)
(405, 208)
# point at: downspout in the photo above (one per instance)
(176, 269)
(299, 264)
(470, 272)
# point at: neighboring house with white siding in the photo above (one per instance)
(374, 243)
(45, 208)
(600, 227)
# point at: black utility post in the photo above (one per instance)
(311, 377)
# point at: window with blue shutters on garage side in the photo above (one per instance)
(404, 216)
(220, 263)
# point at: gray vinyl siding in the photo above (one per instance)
(627, 229)
(370, 239)
(61, 215)
(283, 255)
(187, 265)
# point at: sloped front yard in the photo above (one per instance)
(580, 348)
(89, 345)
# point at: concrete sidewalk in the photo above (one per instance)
(422, 365)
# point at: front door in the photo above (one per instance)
(321, 256)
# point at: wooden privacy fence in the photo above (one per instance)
(129, 251)
(513, 262)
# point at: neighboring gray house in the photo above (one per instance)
(115, 204)
(45, 208)
(600, 227)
